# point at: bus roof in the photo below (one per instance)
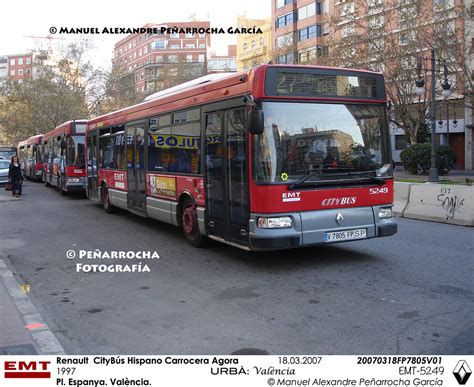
(64, 128)
(31, 140)
(207, 89)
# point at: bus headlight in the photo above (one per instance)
(385, 212)
(281, 222)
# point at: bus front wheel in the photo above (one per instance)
(189, 223)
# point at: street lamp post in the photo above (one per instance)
(420, 90)
(446, 94)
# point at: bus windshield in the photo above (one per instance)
(302, 139)
(76, 151)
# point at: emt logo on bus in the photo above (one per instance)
(27, 370)
(290, 196)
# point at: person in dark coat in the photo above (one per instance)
(15, 176)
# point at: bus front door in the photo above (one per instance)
(227, 206)
(135, 135)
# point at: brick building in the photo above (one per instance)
(300, 29)
(157, 61)
(20, 66)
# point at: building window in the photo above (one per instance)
(159, 45)
(28, 71)
(201, 58)
(12, 62)
(20, 61)
(307, 11)
(12, 73)
(282, 3)
(400, 142)
(202, 45)
(174, 35)
(158, 59)
(175, 46)
(346, 8)
(322, 51)
(307, 55)
(262, 41)
(403, 39)
(374, 3)
(172, 58)
(189, 58)
(202, 35)
(190, 46)
(20, 71)
(284, 40)
(173, 72)
(190, 35)
(325, 29)
(245, 47)
(309, 32)
(286, 59)
(347, 30)
(285, 20)
(253, 44)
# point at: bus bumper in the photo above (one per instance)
(75, 184)
(311, 228)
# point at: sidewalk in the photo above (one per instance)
(456, 176)
(22, 329)
(14, 337)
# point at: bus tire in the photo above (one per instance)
(45, 179)
(189, 224)
(105, 198)
(60, 187)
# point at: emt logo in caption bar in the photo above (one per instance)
(27, 370)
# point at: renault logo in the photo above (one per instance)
(462, 372)
(339, 218)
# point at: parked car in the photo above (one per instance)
(4, 164)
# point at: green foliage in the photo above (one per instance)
(417, 159)
(423, 134)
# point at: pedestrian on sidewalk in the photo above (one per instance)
(15, 176)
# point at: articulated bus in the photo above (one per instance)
(64, 157)
(277, 157)
(7, 152)
(31, 157)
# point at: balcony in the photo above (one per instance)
(259, 51)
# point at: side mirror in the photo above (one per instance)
(255, 124)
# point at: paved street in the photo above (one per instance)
(407, 294)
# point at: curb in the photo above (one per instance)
(45, 341)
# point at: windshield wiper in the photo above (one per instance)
(310, 175)
(364, 174)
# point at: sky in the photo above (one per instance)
(35, 17)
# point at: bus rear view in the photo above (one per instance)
(321, 164)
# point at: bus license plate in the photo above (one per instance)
(347, 235)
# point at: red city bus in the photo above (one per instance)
(31, 156)
(64, 156)
(277, 157)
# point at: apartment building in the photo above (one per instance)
(161, 60)
(223, 63)
(20, 66)
(301, 30)
(253, 49)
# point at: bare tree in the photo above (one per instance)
(379, 36)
